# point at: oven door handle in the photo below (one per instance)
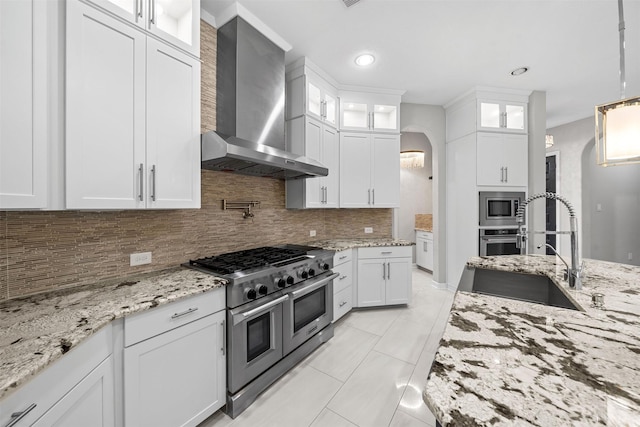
(238, 318)
(314, 286)
(494, 240)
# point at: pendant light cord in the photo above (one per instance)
(621, 28)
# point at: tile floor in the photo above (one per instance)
(371, 373)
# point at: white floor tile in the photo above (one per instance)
(343, 353)
(371, 395)
(401, 419)
(404, 340)
(294, 401)
(329, 418)
(374, 320)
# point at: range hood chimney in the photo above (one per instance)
(249, 137)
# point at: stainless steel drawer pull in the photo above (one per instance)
(389, 270)
(224, 338)
(384, 271)
(342, 303)
(386, 252)
(342, 277)
(141, 175)
(342, 257)
(184, 313)
(373, 196)
(506, 174)
(153, 181)
(17, 416)
(152, 18)
(138, 9)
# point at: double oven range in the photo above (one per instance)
(279, 309)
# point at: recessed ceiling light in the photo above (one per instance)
(519, 71)
(365, 59)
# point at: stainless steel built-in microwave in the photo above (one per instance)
(499, 208)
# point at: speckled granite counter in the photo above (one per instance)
(428, 230)
(37, 330)
(344, 244)
(507, 362)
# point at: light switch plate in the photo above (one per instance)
(368, 230)
(312, 233)
(140, 258)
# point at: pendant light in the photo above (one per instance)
(618, 122)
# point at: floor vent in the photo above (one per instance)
(350, 3)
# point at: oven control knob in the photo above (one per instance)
(304, 274)
(281, 283)
(262, 289)
(289, 280)
(250, 293)
(325, 266)
(312, 272)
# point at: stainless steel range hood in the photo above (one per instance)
(250, 135)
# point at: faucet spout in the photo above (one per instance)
(574, 272)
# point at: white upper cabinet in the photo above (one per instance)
(503, 116)
(502, 160)
(175, 21)
(311, 92)
(132, 118)
(23, 109)
(369, 170)
(371, 112)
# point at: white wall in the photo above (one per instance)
(415, 186)
(613, 232)
(430, 120)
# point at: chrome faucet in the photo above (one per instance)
(574, 274)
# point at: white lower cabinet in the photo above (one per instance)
(90, 403)
(384, 276)
(176, 378)
(75, 391)
(424, 249)
(343, 284)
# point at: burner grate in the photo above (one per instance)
(248, 259)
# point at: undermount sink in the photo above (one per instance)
(522, 287)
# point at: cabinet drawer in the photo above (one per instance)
(385, 252)
(150, 323)
(342, 303)
(342, 257)
(424, 235)
(345, 277)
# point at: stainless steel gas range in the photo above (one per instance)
(279, 309)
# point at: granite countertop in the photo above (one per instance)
(37, 330)
(344, 244)
(428, 230)
(508, 362)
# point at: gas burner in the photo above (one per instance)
(234, 262)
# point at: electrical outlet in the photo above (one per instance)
(140, 258)
(598, 207)
(368, 230)
(312, 233)
(630, 256)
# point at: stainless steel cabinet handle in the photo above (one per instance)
(152, 15)
(342, 257)
(506, 174)
(141, 183)
(384, 271)
(261, 309)
(388, 270)
(17, 416)
(223, 349)
(373, 120)
(138, 9)
(342, 277)
(153, 182)
(386, 252)
(369, 198)
(502, 174)
(184, 313)
(425, 246)
(342, 303)
(373, 196)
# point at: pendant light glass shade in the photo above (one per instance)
(618, 132)
(412, 159)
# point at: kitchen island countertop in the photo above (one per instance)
(37, 330)
(508, 362)
(344, 244)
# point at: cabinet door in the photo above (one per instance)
(177, 22)
(133, 11)
(428, 254)
(421, 252)
(502, 116)
(314, 99)
(354, 115)
(105, 111)
(355, 170)
(173, 128)
(89, 403)
(23, 110)
(331, 159)
(385, 118)
(314, 187)
(515, 158)
(330, 108)
(386, 171)
(176, 378)
(398, 285)
(490, 162)
(371, 282)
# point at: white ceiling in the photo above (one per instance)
(439, 49)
